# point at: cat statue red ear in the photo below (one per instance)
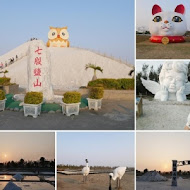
(168, 27)
(180, 9)
(156, 9)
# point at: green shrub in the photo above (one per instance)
(96, 92)
(126, 84)
(4, 81)
(71, 97)
(119, 84)
(2, 95)
(33, 98)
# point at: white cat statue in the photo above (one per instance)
(169, 26)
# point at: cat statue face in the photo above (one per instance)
(168, 23)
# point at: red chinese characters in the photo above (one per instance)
(37, 83)
(38, 61)
(38, 51)
(37, 70)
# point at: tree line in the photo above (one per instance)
(41, 163)
(153, 75)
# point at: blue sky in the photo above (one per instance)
(144, 10)
(106, 26)
(101, 149)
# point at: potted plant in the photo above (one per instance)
(71, 103)
(32, 104)
(8, 87)
(95, 68)
(2, 100)
(95, 98)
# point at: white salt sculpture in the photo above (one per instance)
(173, 84)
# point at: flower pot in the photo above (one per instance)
(2, 104)
(70, 109)
(32, 109)
(94, 104)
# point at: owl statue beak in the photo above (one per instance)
(58, 36)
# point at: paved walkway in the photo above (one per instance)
(114, 115)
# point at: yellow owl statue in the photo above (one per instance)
(58, 37)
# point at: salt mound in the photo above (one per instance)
(152, 176)
(67, 67)
(11, 186)
(18, 177)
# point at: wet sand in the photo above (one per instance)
(183, 184)
(95, 182)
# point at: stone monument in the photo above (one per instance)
(173, 84)
(39, 70)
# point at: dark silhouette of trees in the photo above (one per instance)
(41, 163)
(145, 170)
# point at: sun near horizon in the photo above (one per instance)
(155, 151)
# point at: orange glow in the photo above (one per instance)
(155, 151)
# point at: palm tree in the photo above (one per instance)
(92, 66)
(4, 72)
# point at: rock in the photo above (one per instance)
(39, 62)
(58, 111)
(11, 109)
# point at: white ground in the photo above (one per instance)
(67, 67)
(30, 186)
(159, 115)
(183, 184)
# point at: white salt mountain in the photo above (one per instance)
(11, 186)
(67, 67)
(152, 176)
(18, 177)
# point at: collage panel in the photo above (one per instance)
(95, 160)
(64, 69)
(162, 90)
(162, 161)
(162, 29)
(27, 161)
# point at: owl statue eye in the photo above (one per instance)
(157, 19)
(64, 34)
(52, 34)
(177, 19)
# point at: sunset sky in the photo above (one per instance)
(29, 146)
(156, 151)
(101, 149)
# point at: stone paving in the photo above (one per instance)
(114, 115)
